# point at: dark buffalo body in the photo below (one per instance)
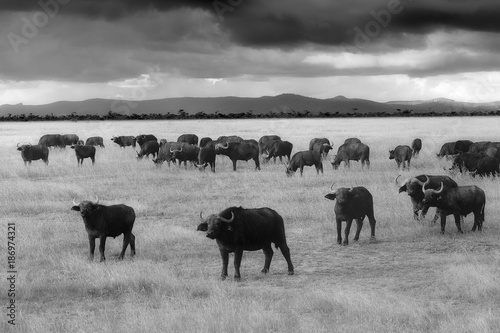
(143, 138)
(466, 161)
(321, 145)
(204, 141)
(352, 140)
(206, 156)
(416, 146)
(149, 148)
(447, 149)
(165, 153)
(84, 151)
(279, 149)
(304, 158)
(236, 229)
(265, 140)
(239, 151)
(479, 147)
(107, 221)
(402, 155)
(487, 166)
(462, 146)
(124, 141)
(70, 139)
(457, 201)
(188, 138)
(352, 152)
(352, 204)
(413, 186)
(228, 139)
(34, 152)
(187, 152)
(95, 141)
(492, 152)
(52, 140)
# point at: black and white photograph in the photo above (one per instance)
(250, 166)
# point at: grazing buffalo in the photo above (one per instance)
(279, 149)
(188, 138)
(413, 186)
(352, 204)
(487, 166)
(462, 146)
(34, 152)
(70, 139)
(402, 155)
(165, 154)
(143, 138)
(205, 141)
(304, 158)
(459, 201)
(321, 145)
(479, 147)
(52, 140)
(147, 148)
(416, 146)
(84, 151)
(236, 151)
(466, 161)
(352, 151)
(107, 221)
(95, 141)
(352, 140)
(187, 152)
(206, 156)
(237, 229)
(264, 140)
(447, 149)
(124, 141)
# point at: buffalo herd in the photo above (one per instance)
(237, 229)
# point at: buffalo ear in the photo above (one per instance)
(203, 226)
(77, 208)
(331, 196)
(402, 189)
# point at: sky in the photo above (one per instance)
(382, 50)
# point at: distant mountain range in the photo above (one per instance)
(225, 105)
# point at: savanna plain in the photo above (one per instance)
(411, 278)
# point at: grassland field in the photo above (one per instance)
(410, 279)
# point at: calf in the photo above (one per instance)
(83, 152)
(107, 221)
(352, 204)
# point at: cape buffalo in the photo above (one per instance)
(34, 152)
(402, 155)
(95, 141)
(124, 141)
(461, 200)
(188, 138)
(352, 140)
(352, 204)
(322, 145)
(84, 151)
(204, 141)
(237, 229)
(416, 146)
(279, 149)
(466, 161)
(70, 139)
(107, 221)
(462, 146)
(143, 138)
(487, 166)
(239, 151)
(264, 140)
(479, 147)
(447, 149)
(187, 152)
(352, 151)
(206, 156)
(304, 158)
(147, 148)
(165, 153)
(52, 140)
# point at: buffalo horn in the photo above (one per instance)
(75, 203)
(396, 181)
(226, 220)
(18, 145)
(201, 216)
(97, 200)
(331, 187)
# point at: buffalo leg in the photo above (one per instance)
(257, 163)
(102, 246)
(302, 169)
(132, 244)
(93, 160)
(372, 221)
(339, 231)
(285, 250)
(457, 222)
(268, 252)
(443, 222)
(91, 247)
(346, 232)
(359, 225)
(126, 241)
(234, 165)
(225, 260)
(238, 254)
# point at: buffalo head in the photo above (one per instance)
(342, 195)
(432, 196)
(24, 148)
(215, 224)
(391, 154)
(86, 208)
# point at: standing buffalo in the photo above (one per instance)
(95, 141)
(34, 152)
(107, 221)
(206, 156)
(416, 146)
(413, 186)
(143, 138)
(236, 151)
(165, 153)
(322, 145)
(205, 141)
(352, 204)
(462, 146)
(447, 149)
(188, 138)
(237, 229)
(461, 200)
(70, 139)
(352, 151)
(487, 166)
(84, 151)
(187, 152)
(304, 158)
(124, 141)
(264, 140)
(402, 155)
(466, 161)
(52, 140)
(147, 148)
(279, 149)
(352, 140)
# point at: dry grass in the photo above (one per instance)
(411, 279)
